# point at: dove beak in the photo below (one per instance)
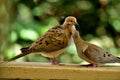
(77, 26)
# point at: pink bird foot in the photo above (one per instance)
(53, 61)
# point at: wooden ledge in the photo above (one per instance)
(45, 71)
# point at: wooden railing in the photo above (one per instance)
(45, 71)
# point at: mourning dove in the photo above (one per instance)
(53, 42)
(93, 54)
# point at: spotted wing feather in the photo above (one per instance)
(53, 40)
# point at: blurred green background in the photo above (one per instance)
(23, 21)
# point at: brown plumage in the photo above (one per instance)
(92, 53)
(53, 42)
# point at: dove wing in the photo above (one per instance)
(54, 39)
(99, 55)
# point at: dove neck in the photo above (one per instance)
(78, 39)
(79, 43)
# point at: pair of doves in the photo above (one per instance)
(58, 38)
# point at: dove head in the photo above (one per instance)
(76, 36)
(70, 21)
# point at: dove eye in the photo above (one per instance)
(109, 54)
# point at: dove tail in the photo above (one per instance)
(24, 51)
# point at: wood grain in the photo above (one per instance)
(46, 71)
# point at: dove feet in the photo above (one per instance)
(54, 61)
(91, 65)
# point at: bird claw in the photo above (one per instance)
(53, 61)
(56, 63)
